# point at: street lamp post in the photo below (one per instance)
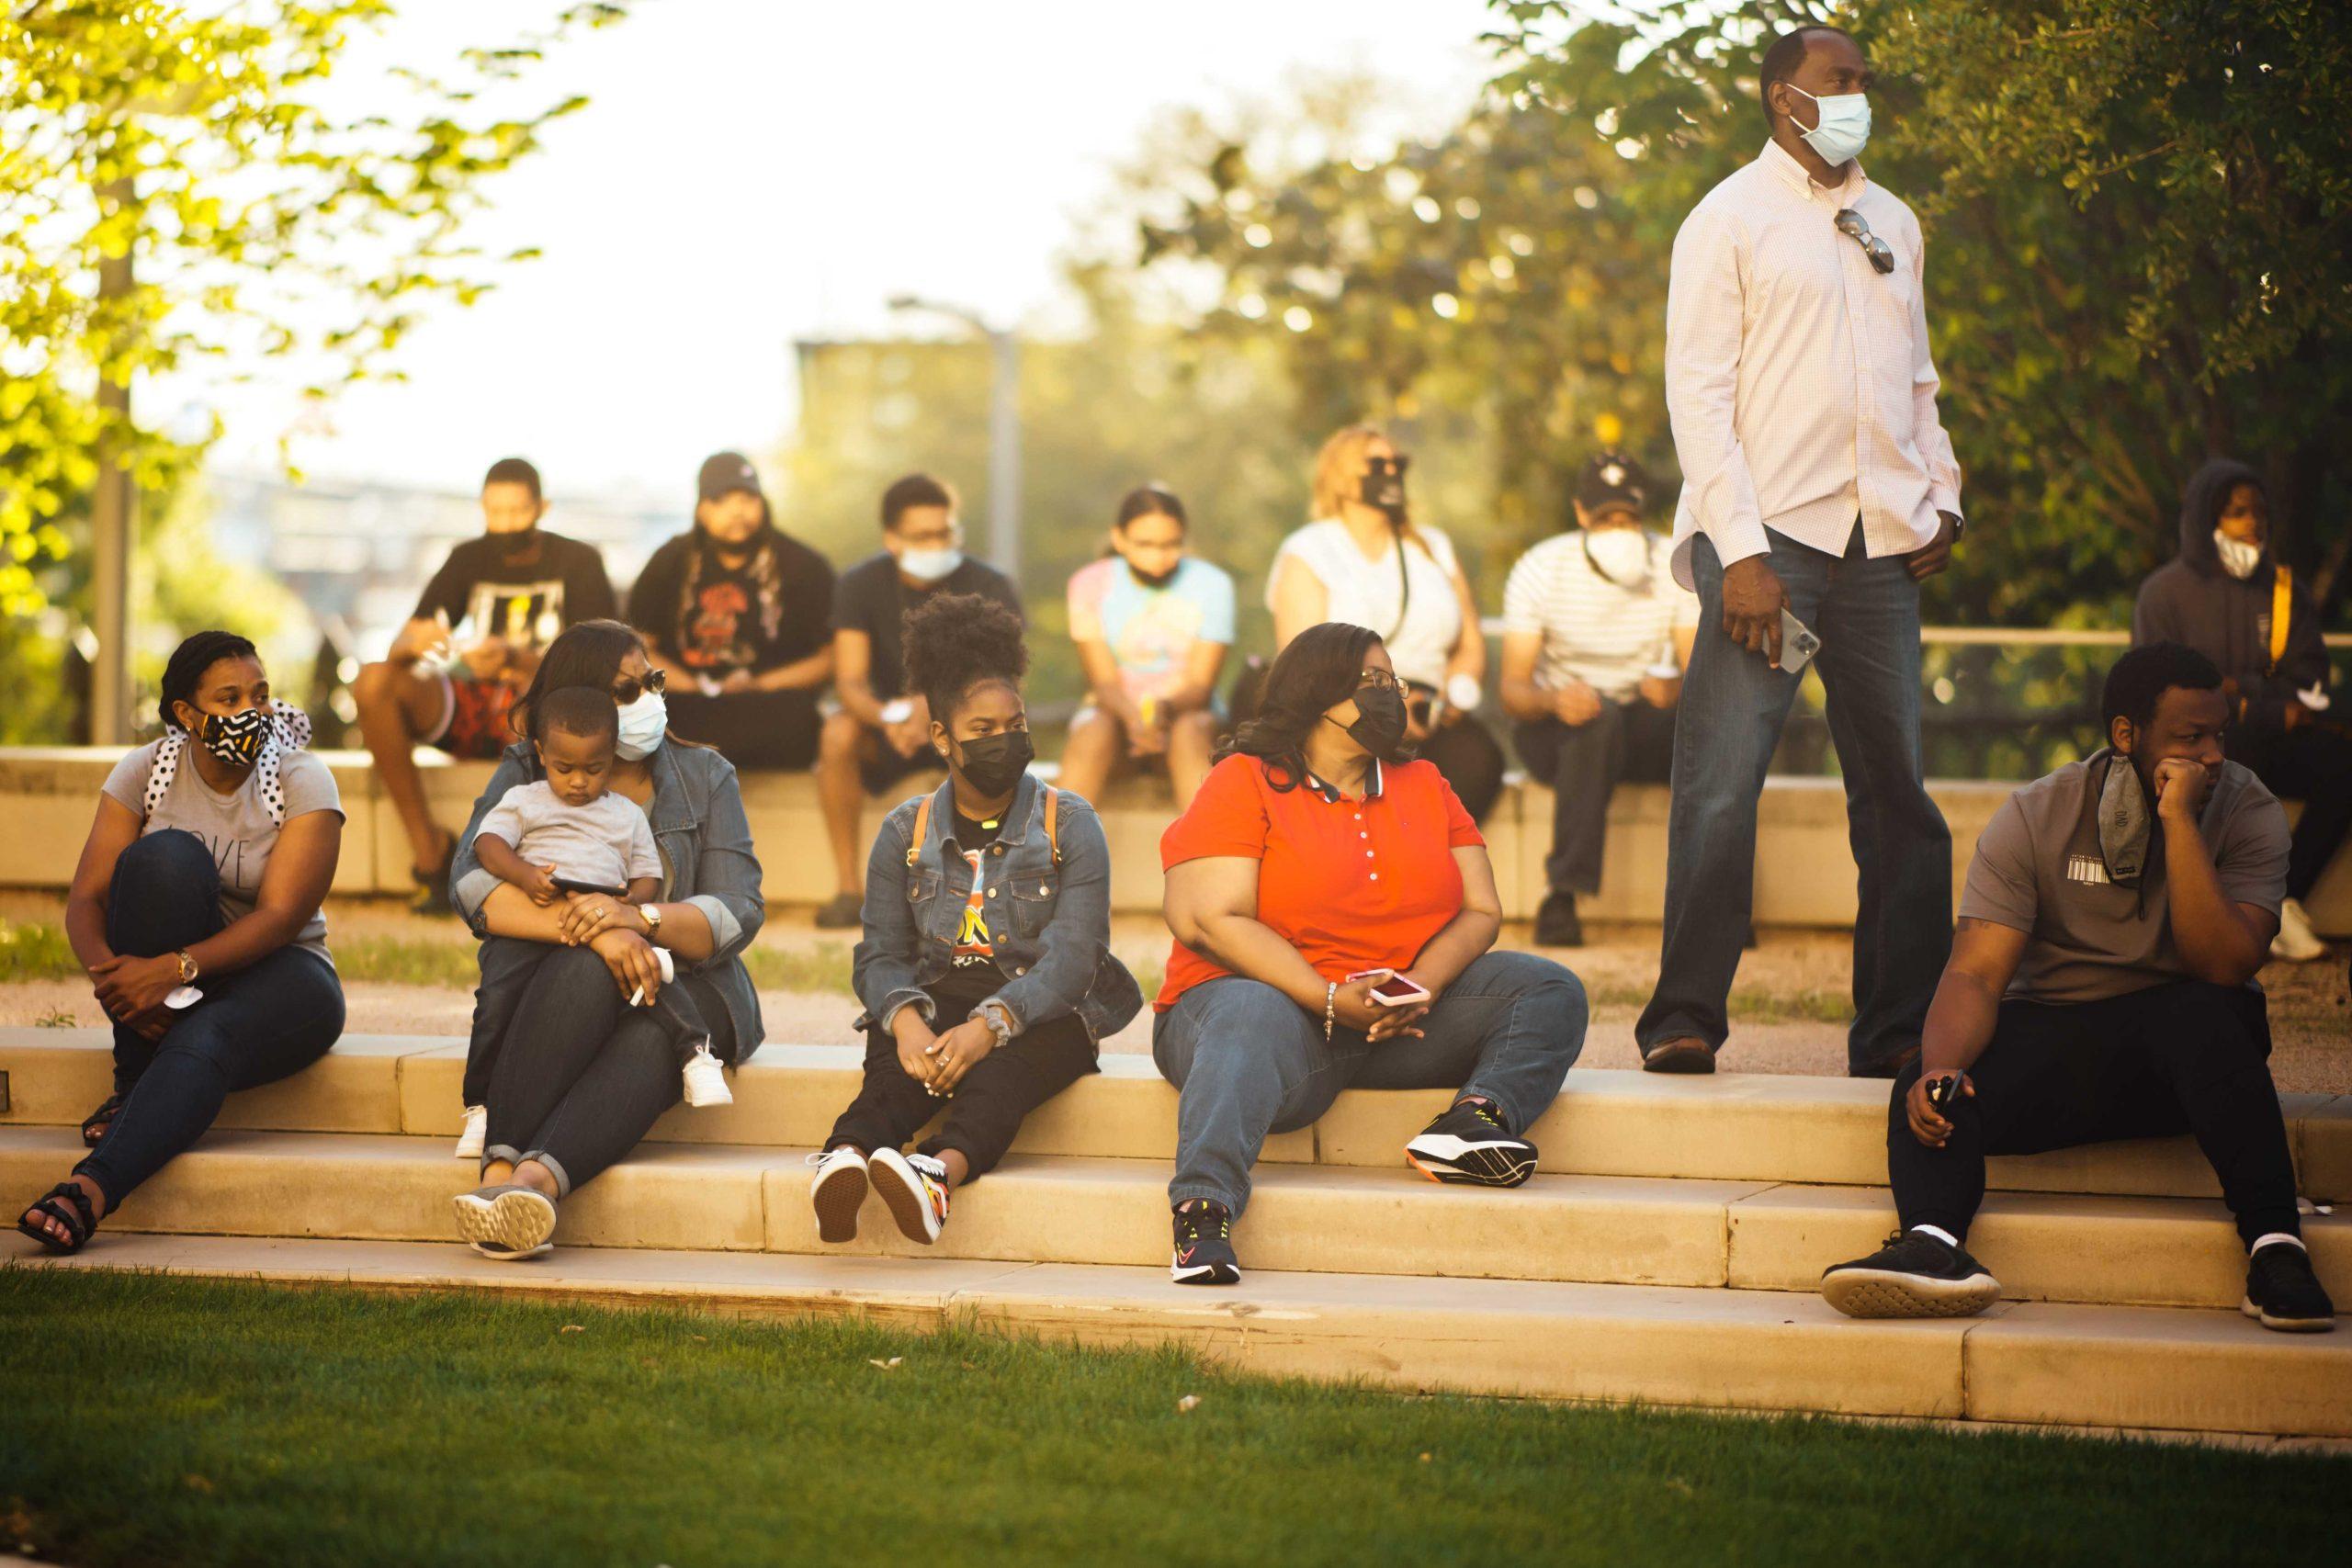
(111, 528)
(1004, 429)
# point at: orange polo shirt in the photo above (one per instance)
(1353, 885)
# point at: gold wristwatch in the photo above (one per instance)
(187, 966)
(651, 915)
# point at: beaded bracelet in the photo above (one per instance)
(1331, 1007)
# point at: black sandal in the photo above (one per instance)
(77, 1229)
(95, 1124)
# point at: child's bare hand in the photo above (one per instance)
(540, 885)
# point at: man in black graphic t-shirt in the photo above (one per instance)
(735, 610)
(468, 651)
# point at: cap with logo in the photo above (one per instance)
(1612, 480)
(724, 473)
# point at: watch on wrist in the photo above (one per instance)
(187, 966)
(651, 915)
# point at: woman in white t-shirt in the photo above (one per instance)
(197, 911)
(1364, 561)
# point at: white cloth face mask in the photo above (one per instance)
(642, 724)
(1845, 128)
(1621, 555)
(2238, 558)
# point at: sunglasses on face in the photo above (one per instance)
(1850, 223)
(629, 688)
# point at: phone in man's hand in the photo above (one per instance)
(1798, 645)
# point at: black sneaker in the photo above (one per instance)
(1205, 1245)
(1469, 1144)
(1913, 1275)
(2283, 1293)
(1555, 921)
(842, 912)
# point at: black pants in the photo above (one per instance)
(580, 1075)
(1583, 763)
(264, 1022)
(2186, 1057)
(507, 964)
(1472, 761)
(2314, 766)
(989, 1104)
(751, 729)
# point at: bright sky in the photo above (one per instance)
(753, 171)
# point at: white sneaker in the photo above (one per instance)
(2296, 942)
(915, 1186)
(705, 1081)
(477, 1132)
(838, 1192)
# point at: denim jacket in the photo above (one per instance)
(1050, 924)
(705, 844)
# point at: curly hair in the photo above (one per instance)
(956, 642)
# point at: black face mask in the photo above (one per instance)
(994, 763)
(1154, 579)
(1379, 728)
(1383, 486)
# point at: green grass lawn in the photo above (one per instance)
(147, 1420)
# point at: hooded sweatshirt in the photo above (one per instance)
(2192, 600)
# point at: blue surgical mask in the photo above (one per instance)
(931, 566)
(1845, 128)
(642, 724)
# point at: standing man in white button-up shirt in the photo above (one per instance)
(1817, 479)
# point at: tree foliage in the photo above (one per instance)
(2137, 230)
(178, 190)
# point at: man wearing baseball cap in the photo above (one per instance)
(1595, 634)
(736, 611)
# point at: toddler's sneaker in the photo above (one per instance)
(705, 1081)
(915, 1186)
(476, 1133)
(838, 1192)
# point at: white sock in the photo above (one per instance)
(1941, 1233)
(2262, 1241)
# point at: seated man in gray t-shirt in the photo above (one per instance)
(2100, 987)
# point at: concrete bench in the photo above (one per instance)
(1804, 873)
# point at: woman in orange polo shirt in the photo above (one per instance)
(1318, 861)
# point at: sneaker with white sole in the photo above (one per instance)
(2296, 942)
(915, 1187)
(2282, 1292)
(1913, 1275)
(1205, 1254)
(509, 1220)
(837, 1192)
(476, 1133)
(705, 1079)
(1468, 1144)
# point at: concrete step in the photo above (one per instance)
(1625, 1230)
(1730, 1127)
(2110, 1368)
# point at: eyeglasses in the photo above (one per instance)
(1882, 254)
(629, 688)
(1378, 679)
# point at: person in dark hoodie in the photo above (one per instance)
(2226, 596)
(736, 612)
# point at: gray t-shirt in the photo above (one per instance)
(606, 841)
(235, 827)
(2038, 869)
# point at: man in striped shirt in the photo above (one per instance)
(1818, 483)
(1595, 634)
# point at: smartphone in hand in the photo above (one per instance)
(1798, 645)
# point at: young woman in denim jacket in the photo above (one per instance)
(985, 963)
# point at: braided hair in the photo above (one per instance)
(956, 642)
(185, 673)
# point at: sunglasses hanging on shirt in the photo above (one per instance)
(1850, 222)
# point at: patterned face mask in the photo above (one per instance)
(236, 737)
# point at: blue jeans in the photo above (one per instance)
(264, 1022)
(1250, 1061)
(1866, 612)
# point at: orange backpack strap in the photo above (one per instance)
(923, 826)
(1053, 810)
(2282, 607)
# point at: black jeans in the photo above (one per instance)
(1583, 763)
(751, 729)
(507, 964)
(2314, 766)
(2186, 1057)
(264, 1022)
(580, 1075)
(988, 1105)
(1472, 762)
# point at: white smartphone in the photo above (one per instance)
(1393, 989)
(1798, 645)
